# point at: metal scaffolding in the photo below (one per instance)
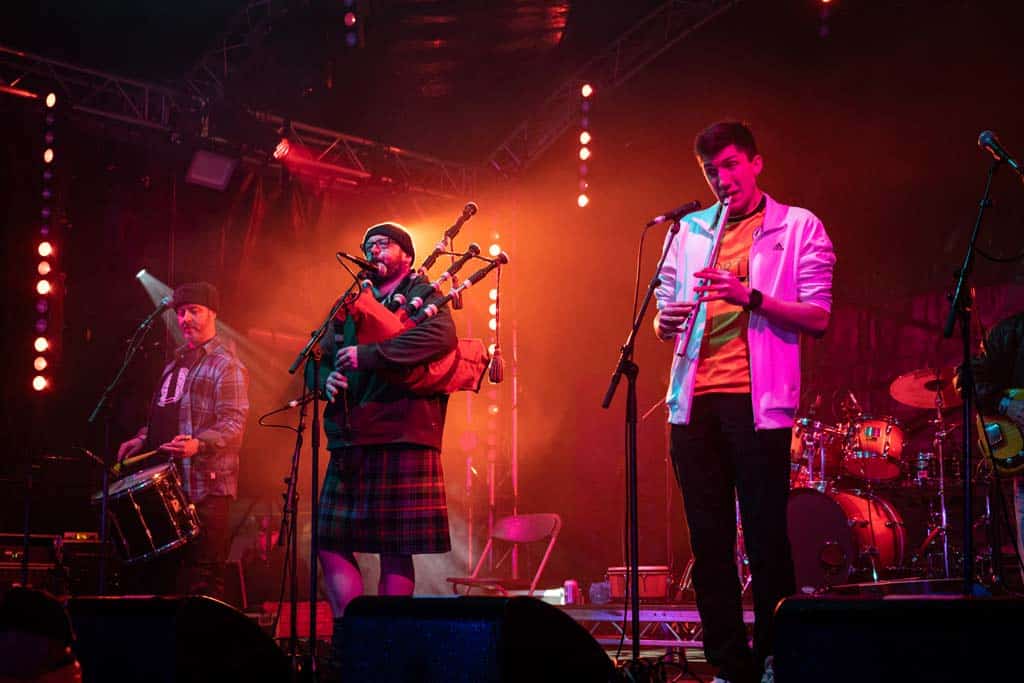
(661, 29)
(354, 160)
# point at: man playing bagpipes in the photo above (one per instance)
(384, 488)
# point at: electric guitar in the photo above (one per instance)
(1003, 444)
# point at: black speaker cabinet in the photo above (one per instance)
(938, 638)
(164, 639)
(467, 640)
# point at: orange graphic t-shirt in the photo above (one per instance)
(724, 365)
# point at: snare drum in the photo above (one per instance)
(150, 513)
(873, 451)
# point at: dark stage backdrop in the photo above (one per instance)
(872, 127)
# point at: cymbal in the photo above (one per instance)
(920, 387)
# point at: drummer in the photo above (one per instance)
(197, 419)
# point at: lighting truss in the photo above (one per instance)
(661, 29)
(138, 103)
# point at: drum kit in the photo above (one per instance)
(843, 524)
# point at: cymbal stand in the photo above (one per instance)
(940, 436)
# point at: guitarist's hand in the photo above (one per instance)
(129, 448)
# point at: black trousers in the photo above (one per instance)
(720, 458)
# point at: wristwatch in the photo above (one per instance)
(755, 301)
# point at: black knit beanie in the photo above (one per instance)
(395, 232)
(202, 293)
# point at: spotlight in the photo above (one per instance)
(493, 309)
(40, 364)
(48, 155)
(139, 275)
(582, 200)
(51, 100)
(39, 383)
(585, 138)
(44, 268)
(587, 90)
(41, 344)
(494, 250)
(43, 287)
(493, 294)
(282, 149)
(45, 249)
(584, 153)
(350, 19)
(492, 324)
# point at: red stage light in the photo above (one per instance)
(584, 153)
(585, 138)
(43, 287)
(350, 19)
(39, 383)
(41, 344)
(45, 249)
(48, 156)
(40, 364)
(582, 200)
(282, 149)
(587, 90)
(51, 100)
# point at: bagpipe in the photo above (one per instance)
(462, 368)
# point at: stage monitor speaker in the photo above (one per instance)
(164, 639)
(467, 640)
(942, 638)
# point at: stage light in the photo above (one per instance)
(587, 90)
(350, 19)
(494, 250)
(492, 324)
(584, 153)
(42, 306)
(493, 309)
(139, 275)
(43, 287)
(41, 326)
(51, 100)
(41, 344)
(491, 347)
(48, 156)
(585, 138)
(582, 200)
(39, 383)
(40, 364)
(282, 149)
(45, 249)
(492, 409)
(493, 294)
(44, 268)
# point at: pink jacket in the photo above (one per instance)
(791, 259)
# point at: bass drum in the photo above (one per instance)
(839, 537)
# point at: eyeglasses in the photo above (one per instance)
(382, 244)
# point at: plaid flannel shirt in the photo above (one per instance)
(213, 409)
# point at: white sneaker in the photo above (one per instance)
(769, 670)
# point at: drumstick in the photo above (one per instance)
(133, 459)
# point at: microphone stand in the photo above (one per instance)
(626, 366)
(103, 406)
(290, 530)
(311, 357)
(960, 308)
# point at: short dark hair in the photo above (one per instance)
(718, 136)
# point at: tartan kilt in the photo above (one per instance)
(386, 498)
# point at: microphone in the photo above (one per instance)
(674, 214)
(364, 265)
(164, 304)
(468, 212)
(988, 141)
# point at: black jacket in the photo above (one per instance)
(379, 410)
(1001, 366)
